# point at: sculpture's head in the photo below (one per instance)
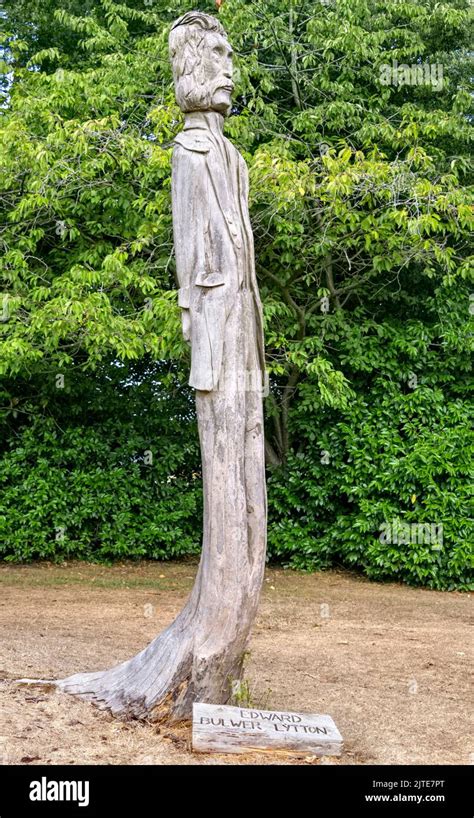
(202, 63)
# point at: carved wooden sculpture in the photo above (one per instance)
(199, 656)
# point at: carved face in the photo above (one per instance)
(202, 68)
(217, 70)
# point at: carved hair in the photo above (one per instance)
(187, 43)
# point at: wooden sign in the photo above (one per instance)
(222, 729)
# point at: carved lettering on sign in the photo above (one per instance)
(219, 728)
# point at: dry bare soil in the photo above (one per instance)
(387, 662)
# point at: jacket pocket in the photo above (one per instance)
(205, 279)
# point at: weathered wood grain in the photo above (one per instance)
(200, 654)
(222, 729)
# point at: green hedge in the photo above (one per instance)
(89, 494)
(385, 489)
(86, 491)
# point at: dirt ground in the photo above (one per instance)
(387, 662)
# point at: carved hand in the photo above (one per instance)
(186, 325)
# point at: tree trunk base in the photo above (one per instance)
(200, 655)
(189, 661)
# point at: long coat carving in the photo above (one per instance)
(213, 242)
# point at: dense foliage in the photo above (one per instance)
(104, 471)
(362, 209)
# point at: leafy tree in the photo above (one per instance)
(361, 208)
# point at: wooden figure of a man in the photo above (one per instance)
(222, 319)
(199, 656)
